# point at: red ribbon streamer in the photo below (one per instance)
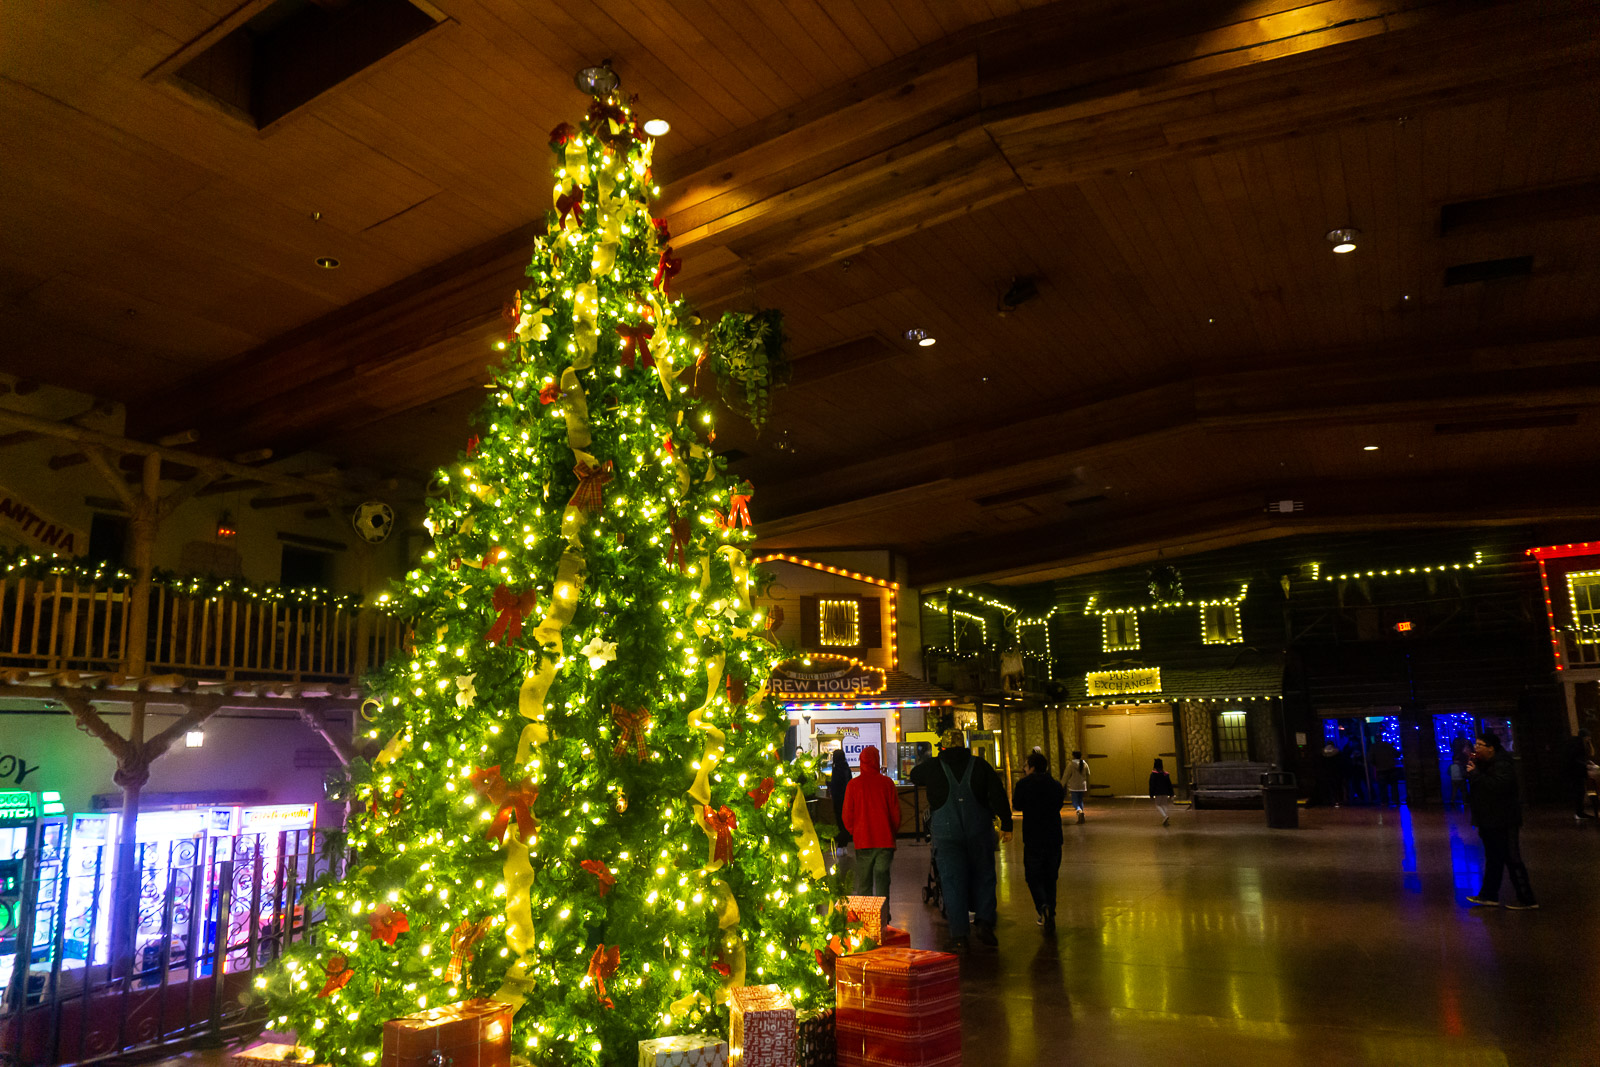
(513, 608)
(339, 975)
(602, 965)
(602, 872)
(569, 204)
(387, 923)
(761, 792)
(632, 726)
(636, 340)
(590, 494)
(663, 235)
(667, 268)
(723, 822)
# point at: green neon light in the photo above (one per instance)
(18, 804)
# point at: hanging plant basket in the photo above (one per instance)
(746, 352)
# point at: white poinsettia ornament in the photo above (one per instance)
(466, 692)
(600, 652)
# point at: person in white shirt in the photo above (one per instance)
(1077, 781)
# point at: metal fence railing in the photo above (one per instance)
(212, 911)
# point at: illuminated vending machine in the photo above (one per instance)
(271, 850)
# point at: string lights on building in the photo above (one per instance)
(894, 588)
(1396, 572)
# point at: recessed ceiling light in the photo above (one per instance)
(1369, 448)
(1343, 240)
(327, 263)
(657, 127)
(921, 336)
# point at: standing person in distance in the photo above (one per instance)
(1077, 781)
(1575, 769)
(1039, 797)
(838, 786)
(1160, 790)
(871, 816)
(965, 794)
(1497, 813)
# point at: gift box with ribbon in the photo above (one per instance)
(474, 1033)
(763, 1027)
(267, 1052)
(899, 1006)
(894, 937)
(868, 911)
(815, 1044)
(684, 1050)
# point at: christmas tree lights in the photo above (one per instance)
(579, 806)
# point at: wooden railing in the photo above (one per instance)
(1576, 654)
(55, 623)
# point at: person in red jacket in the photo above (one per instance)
(872, 815)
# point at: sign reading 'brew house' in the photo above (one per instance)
(825, 676)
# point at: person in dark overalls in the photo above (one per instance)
(965, 794)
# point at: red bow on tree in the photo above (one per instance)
(602, 965)
(631, 726)
(761, 792)
(569, 204)
(739, 506)
(387, 923)
(550, 393)
(515, 801)
(602, 872)
(513, 608)
(339, 975)
(590, 494)
(636, 340)
(562, 133)
(735, 688)
(472, 444)
(463, 944)
(602, 115)
(679, 548)
(723, 823)
(663, 235)
(722, 968)
(393, 808)
(667, 268)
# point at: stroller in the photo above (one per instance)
(933, 892)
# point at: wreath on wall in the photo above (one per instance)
(1165, 584)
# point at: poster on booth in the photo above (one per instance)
(855, 737)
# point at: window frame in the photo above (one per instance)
(1109, 640)
(853, 609)
(1229, 611)
(1585, 620)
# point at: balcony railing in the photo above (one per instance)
(57, 623)
(1579, 655)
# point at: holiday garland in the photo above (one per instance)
(21, 563)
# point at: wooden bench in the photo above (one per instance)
(1228, 784)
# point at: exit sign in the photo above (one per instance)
(1402, 627)
(17, 804)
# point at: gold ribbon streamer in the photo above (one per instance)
(805, 836)
(394, 749)
(732, 942)
(570, 575)
(576, 157)
(683, 1005)
(586, 311)
(715, 738)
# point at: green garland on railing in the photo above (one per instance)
(21, 563)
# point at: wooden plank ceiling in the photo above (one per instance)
(1164, 171)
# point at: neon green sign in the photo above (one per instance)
(18, 804)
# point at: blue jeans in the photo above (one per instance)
(966, 877)
(1077, 798)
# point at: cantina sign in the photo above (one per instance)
(826, 676)
(18, 518)
(1110, 683)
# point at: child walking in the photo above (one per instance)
(1077, 781)
(1161, 790)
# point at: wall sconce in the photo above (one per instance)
(194, 739)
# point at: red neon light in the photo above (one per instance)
(1580, 548)
(1550, 611)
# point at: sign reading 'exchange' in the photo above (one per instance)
(1111, 683)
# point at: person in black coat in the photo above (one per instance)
(1496, 805)
(1161, 790)
(1039, 798)
(837, 784)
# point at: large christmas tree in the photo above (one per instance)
(579, 806)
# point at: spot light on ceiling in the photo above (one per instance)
(1369, 448)
(921, 336)
(1343, 240)
(657, 127)
(327, 263)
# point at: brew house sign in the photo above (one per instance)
(823, 676)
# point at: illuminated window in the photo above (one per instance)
(839, 622)
(1584, 588)
(1221, 624)
(1121, 631)
(1233, 740)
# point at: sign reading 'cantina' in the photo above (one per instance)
(1110, 683)
(825, 676)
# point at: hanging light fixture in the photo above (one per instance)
(1343, 239)
(920, 336)
(599, 81)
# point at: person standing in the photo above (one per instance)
(838, 785)
(1160, 790)
(965, 794)
(872, 818)
(1077, 781)
(1575, 771)
(1497, 813)
(1039, 798)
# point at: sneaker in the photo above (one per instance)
(985, 933)
(1519, 906)
(1050, 919)
(1164, 819)
(1080, 816)
(1038, 919)
(1483, 902)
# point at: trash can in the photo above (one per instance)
(1280, 796)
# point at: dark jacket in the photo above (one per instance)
(1494, 798)
(1039, 797)
(986, 785)
(871, 805)
(838, 786)
(1160, 784)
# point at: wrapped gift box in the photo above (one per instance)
(257, 1055)
(475, 1033)
(869, 912)
(894, 937)
(684, 1050)
(763, 1029)
(900, 1007)
(815, 1044)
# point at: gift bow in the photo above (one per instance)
(562, 133)
(590, 494)
(739, 509)
(339, 975)
(602, 872)
(387, 923)
(550, 393)
(631, 726)
(761, 792)
(722, 823)
(512, 608)
(667, 267)
(514, 802)
(636, 340)
(569, 204)
(602, 965)
(463, 942)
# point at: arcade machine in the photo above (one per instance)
(19, 835)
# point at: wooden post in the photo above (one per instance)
(133, 771)
(1005, 745)
(144, 524)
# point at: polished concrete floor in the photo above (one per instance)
(1218, 941)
